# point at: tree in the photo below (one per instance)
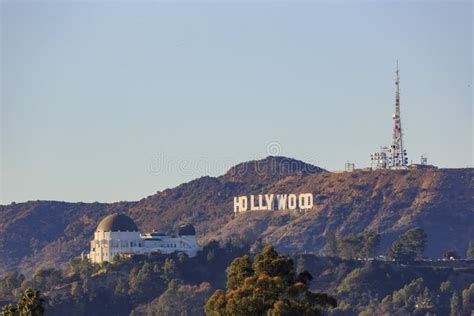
(425, 300)
(445, 287)
(370, 241)
(409, 246)
(122, 288)
(182, 299)
(30, 303)
(170, 269)
(468, 299)
(83, 268)
(361, 245)
(470, 250)
(455, 306)
(267, 286)
(407, 297)
(240, 269)
(216, 305)
(46, 278)
(9, 310)
(141, 281)
(133, 281)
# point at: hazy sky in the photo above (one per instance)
(112, 101)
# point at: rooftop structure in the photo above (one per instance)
(117, 234)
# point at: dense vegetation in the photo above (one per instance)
(267, 286)
(352, 246)
(142, 284)
(375, 287)
(177, 285)
(30, 303)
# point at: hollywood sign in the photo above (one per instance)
(268, 202)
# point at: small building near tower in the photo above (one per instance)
(117, 234)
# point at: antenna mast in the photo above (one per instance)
(398, 156)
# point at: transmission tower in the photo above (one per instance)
(398, 156)
(380, 160)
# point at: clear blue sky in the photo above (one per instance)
(112, 101)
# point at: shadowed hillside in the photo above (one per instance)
(44, 233)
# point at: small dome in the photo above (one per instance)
(117, 222)
(186, 230)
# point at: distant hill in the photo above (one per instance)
(441, 201)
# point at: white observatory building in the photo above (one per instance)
(118, 234)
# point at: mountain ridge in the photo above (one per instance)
(49, 233)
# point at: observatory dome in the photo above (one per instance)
(116, 223)
(186, 230)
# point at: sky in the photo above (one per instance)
(115, 100)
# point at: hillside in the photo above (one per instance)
(177, 285)
(80, 288)
(48, 233)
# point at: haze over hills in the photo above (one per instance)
(441, 201)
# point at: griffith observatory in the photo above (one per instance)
(117, 234)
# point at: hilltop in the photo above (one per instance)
(49, 233)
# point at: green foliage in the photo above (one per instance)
(409, 246)
(351, 279)
(118, 288)
(82, 268)
(239, 270)
(146, 279)
(445, 287)
(455, 306)
(170, 270)
(413, 296)
(122, 288)
(153, 284)
(424, 301)
(178, 299)
(470, 250)
(9, 310)
(468, 299)
(30, 303)
(361, 245)
(46, 278)
(371, 277)
(269, 262)
(216, 305)
(268, 286)
(183, 300)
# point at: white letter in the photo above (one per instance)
(269, 200)
(305, 201)
(244, 203)
(252, 204)
(240, 204)
(281, 201)
(292, 202)
(236, 204)
(260, 203)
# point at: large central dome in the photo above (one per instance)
(116, 223)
